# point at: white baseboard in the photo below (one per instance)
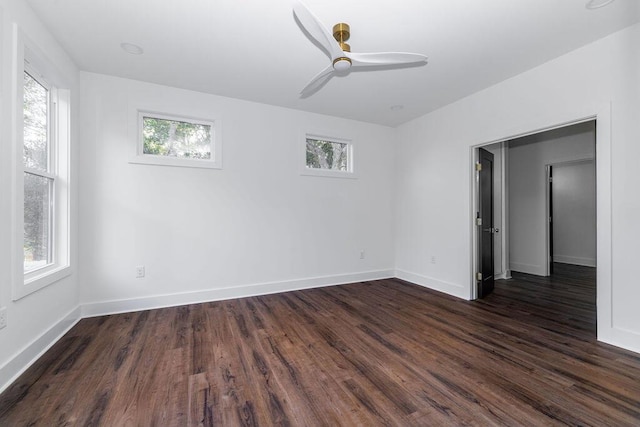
(18, 364)
(623, 338)
(538, 270)
(453, 289)
(566, 259)
(172, 300)
(505, 275)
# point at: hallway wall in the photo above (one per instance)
(574, 213)
(528, 158)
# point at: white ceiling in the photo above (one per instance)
(254, 49)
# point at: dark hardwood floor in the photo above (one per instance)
(377, 353)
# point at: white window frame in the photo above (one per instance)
(150, 159)
(28, 58)
(350, 173)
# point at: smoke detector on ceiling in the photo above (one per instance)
(131, 48)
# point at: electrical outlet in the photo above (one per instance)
(139, 271)
(362, 254)
(3, 317)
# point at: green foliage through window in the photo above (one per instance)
(38, 182)
(322, 154)
(173, 138)
(35, 150)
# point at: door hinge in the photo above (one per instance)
(478, 221)
(478, 166)
(550, 179)
(479, 277)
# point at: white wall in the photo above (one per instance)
(528, 158)
(35, 321)
(434, 171)
(255, 226)
(574, 213)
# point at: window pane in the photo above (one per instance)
(327, 155)
(172, 138)
(37, 221)
(36, 104)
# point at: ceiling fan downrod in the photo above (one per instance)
(342, 32)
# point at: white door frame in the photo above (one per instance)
(602, 115)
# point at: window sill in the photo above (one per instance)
(38, 280)
(328, 173)
(185, 163)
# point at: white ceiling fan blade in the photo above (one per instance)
(316, 30)
(385, 58)
(320, 79)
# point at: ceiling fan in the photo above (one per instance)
(342, 59)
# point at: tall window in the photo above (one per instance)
(42, 166)
(39, 174)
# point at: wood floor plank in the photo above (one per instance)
(384, 352)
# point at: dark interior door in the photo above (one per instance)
(485, 224)
(550, 237)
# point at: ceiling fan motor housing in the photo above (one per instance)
(342, 64)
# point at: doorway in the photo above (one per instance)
(571, 208)
(526, 242)
(549, 120)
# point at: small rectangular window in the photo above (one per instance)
(173, 138)
(177, 141)
(328, 156)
